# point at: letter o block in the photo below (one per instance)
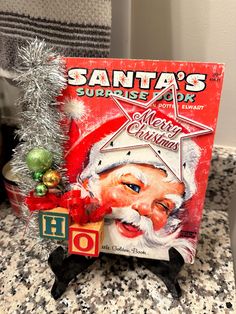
(86, 239)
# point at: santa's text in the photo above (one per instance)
(194, 82)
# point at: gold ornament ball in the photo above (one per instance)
(51, 178)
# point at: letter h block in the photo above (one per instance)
(54, 223)
(86, 239)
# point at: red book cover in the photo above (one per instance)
(140, 142)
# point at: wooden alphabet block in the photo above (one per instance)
(86, 239)
(54, 223)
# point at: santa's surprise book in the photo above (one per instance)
(140, 142)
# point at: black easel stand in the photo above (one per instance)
(66, 269)
(167, 271)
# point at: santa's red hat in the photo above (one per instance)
(86, 160)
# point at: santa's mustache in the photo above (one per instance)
(151, 237)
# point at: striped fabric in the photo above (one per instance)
(80, 28)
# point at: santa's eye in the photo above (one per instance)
(136, 188)
(164, 207)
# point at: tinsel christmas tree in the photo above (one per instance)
(41, 78)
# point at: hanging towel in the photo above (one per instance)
(76, 28)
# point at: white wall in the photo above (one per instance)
(202, 30)
(121, 29)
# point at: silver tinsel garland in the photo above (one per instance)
(41, 78)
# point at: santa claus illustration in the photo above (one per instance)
(145, 197)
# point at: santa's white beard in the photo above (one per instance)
(164, 238)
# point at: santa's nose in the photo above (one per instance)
(143, 208)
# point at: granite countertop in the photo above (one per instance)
(117, 284)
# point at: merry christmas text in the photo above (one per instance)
(155, 130)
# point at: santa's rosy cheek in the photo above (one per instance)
(159, 219)
(115, 197)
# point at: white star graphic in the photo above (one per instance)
(165, 155)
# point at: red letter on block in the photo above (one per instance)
(86, 239)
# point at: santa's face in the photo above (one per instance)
(144, 189)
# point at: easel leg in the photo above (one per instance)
(167, 271)
(66, 269)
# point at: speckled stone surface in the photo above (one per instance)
(116, 284)
(222, 179)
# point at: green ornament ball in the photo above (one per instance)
(38, 176)
(39, 159)
(41, 189)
